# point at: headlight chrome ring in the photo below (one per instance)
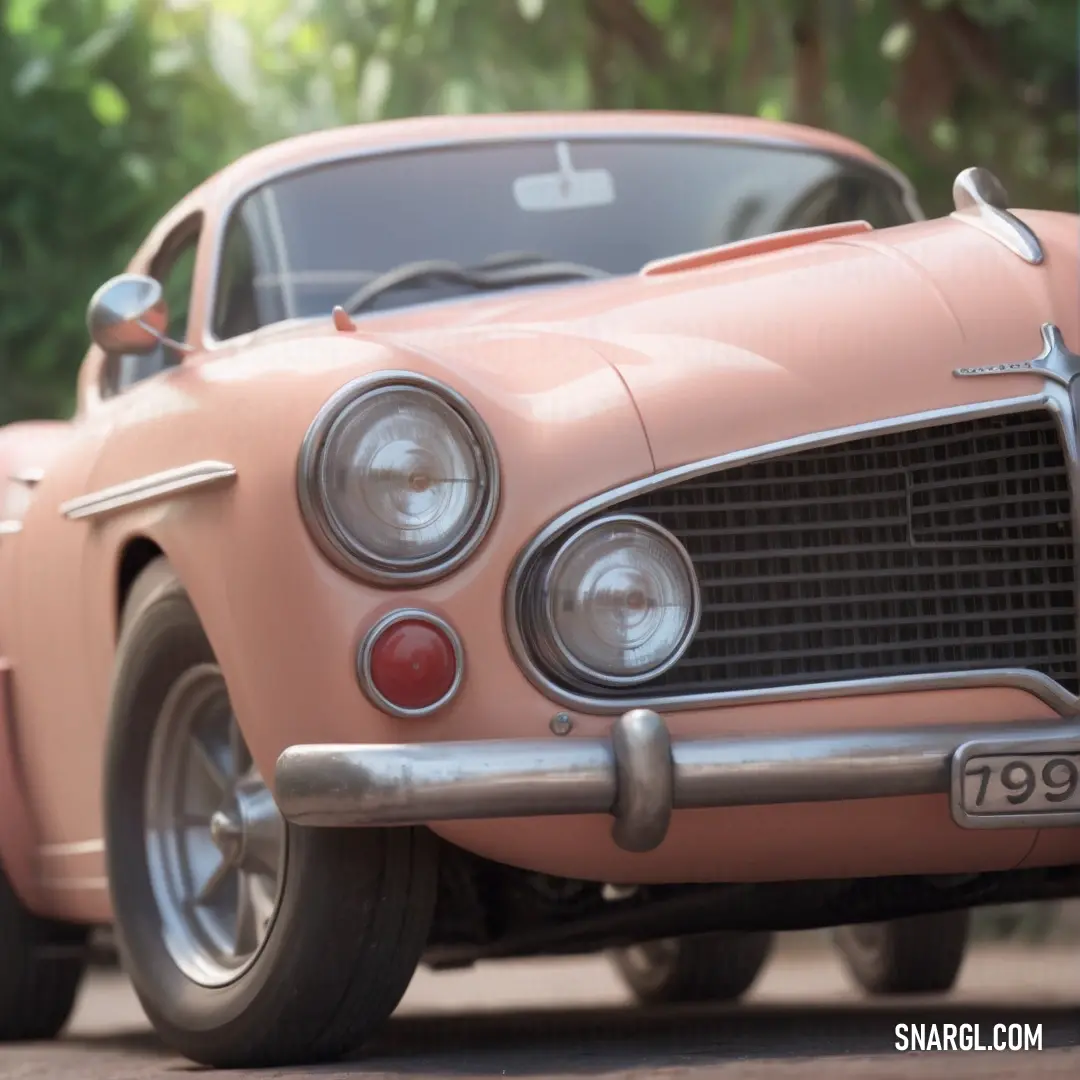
(541, 619)
(467, 436)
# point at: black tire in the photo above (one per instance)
(918, 955)
(697, 968)
(355, 906)
(41, 965)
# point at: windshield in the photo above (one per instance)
(301, 244)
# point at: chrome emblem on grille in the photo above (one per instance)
(1057, 361)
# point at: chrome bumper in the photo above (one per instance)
(638, 774)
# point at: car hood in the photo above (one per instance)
(821, 336)
(824, 335)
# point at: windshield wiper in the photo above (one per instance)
(498, 272)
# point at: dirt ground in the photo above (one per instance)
(572, 1018)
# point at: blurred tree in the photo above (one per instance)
(97, 98)
(111, 109)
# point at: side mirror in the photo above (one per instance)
(128, 315)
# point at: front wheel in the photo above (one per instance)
(696, 968)
(917, 955)
(249, 941)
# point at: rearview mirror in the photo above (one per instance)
(567, 189)
(128, 314)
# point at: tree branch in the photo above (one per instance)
(621, 20)
(811, 66)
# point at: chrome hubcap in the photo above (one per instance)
(215, 840)
(653, 955)
(226, 830)
(867, 936)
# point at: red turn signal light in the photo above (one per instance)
(411, 663)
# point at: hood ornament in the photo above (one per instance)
(1056, 362)
(980, 200)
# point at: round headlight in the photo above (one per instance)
(620, 602)
(398, 479)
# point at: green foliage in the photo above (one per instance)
(90, 134)
(112, 109)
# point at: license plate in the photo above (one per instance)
(1016, 785)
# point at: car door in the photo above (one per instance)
(64, 650)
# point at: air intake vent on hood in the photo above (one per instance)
(758, 245)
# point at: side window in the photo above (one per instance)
(177, 276)
(174, 267)
(852, 196)
(250, 282)
(236, 309)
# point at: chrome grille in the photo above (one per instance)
(947, 548)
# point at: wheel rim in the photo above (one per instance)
(653, 956)
(215, 840)
(867, 937)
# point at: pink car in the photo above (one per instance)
(508, 536)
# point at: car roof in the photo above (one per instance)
(294, 153)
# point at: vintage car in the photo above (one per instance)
(508, 536)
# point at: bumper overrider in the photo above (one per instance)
(639, 775)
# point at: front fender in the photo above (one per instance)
(284, 623)
(18, 840)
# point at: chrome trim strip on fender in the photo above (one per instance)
(76, 884)
(77, 847)
(1054, 398)
(638, 775)
(147, 489)
(982, 202)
